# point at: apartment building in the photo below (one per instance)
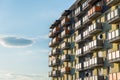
(85, 42)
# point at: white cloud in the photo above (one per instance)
(15, 41)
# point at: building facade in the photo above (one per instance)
(85, 42)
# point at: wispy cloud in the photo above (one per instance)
(15, 41)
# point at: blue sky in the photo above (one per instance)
(24, 28)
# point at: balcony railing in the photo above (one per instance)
(86, 49)
(111, 2)
(94, 12)
(66, 58)
(86, 20)
(78, 25)
(50, 53)
(79, 67)
(56, 40)
(86, 34)
(78, 38)
(113, 16)
(78, 79)
(65, 22)
(95, 28)
(85, 5)
(94, 78)
(50, 64)
(79, 52)
(114, 76)
(65, 33)
(51, 44)
(56, 51)
(51, 34)
(55, 73)
(114, 36)
(65, 45)
(55, 62)
(66, 70)
(56, 30)
(78, 11)
(114, 56)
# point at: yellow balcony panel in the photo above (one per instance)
(65, 22)
(114, 56)
(114, 36)
(66, 70)
(94, 12)
(111, 2)
(66, 58)
(95, 28)
(65, 33)
(79, 52)
(56, 51)
(113, 16)
(65, 45)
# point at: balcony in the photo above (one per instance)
(79, 67)
(65, 22)
(79, 52)
(86, 20)
(114, 36)
(51, 44)
(86, 34)
(85, 5)
(95, 28)
(55, 73)
(86, 49)
(78, 38)
(56, 62)
(94, 12)
(51, 34)
(50, 53)
(66, 58)
(113, 17)
(56, 51)
(50, 64)
(114, 56)
(111, 2)
(65, 45)
(65, 33)
(78, 11)
(56, 40)
(78, 25)
(114, 76)
(92, 1)
(66, 70)
(96, 45)
(94, 78)
(79, 79)
(56, 30)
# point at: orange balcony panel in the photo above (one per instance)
(65, 22)
(56, 30)
(111, 2)
(65, 70)
(94, 12)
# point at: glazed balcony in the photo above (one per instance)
(114, 36)
(66, 58)
(56, 51)
(56, 62)
(113, 16)
(65, 45)
(96, 45)
(65, 22)
(65, 33)
(79, 67)
(114, 56)
(66, 70)
(114, 76)
(56, 30)
(111, 2)
(78, 38)
(95, 28)
(94, 78)
(56, 40)
(94, 12)
(78, 11)
(78, 25)
(79, 52)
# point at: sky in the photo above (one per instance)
(24, 28)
